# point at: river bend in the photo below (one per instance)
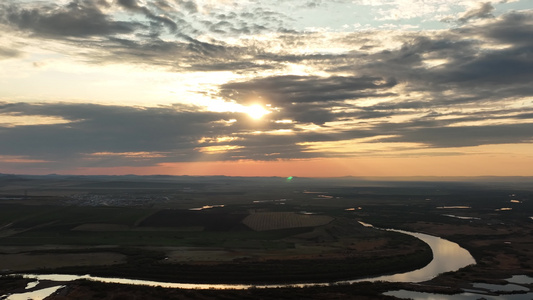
(447, 257)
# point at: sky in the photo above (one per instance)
(315, 88)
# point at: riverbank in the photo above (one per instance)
(501, 250)
(340, 250)
(88, 290)
(429, 271)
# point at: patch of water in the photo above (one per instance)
(500, 288)
(520, 279)
(206, 207)
(403, 294)
(32, 284)
(480, 291)
(462, 218)
(33, 295)
(353, 208)
(447, 257)
(365, 224)
(454, 207)
(66, 278)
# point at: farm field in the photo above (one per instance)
(215, 230)
(282, 220)
(223, 234)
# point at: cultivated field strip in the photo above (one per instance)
(281, 220)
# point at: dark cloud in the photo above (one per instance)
(178, 133)
(189, 6)
(511, 64)
(313, 3)
(97, 128)
(308, 113)
(76, 19)
(484, 11)
(434, 82)
(476, 63)
(256, 21)
(307, 99)
(287, 89)
(515, 29)
(496, 68)
(236, 66)
(468, 74)
(133, 5)
(89, 25)
(449, 130)
(182, 133)
(8, 52)
(463, 136)
(173, 55)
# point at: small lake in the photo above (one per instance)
(501, 288)
(36, 294)
(463, 296)
(461, 217)
(454, 207)
(510, 291)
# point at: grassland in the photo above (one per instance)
(215, 245)
(256, 232)
(239, 237)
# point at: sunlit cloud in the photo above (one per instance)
(127, 154)
(256, 111)
(152, 84)
(14, 159)
(10, 120)
(217, 149)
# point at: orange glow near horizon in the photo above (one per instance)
(459, 165)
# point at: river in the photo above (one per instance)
(447, 256)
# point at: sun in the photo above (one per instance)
(256, 111)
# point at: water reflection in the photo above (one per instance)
(31, 285)
(206, 207)
(66, 278)
(479, 291)
(461, 217)
(447, 256)
(454, 207)
(34, 295)
(520, 279)
(463, 296)
(501, 288)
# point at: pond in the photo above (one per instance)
(35, 294)
(511, 291)
(463, 296)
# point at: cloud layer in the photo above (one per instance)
(336, 93)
